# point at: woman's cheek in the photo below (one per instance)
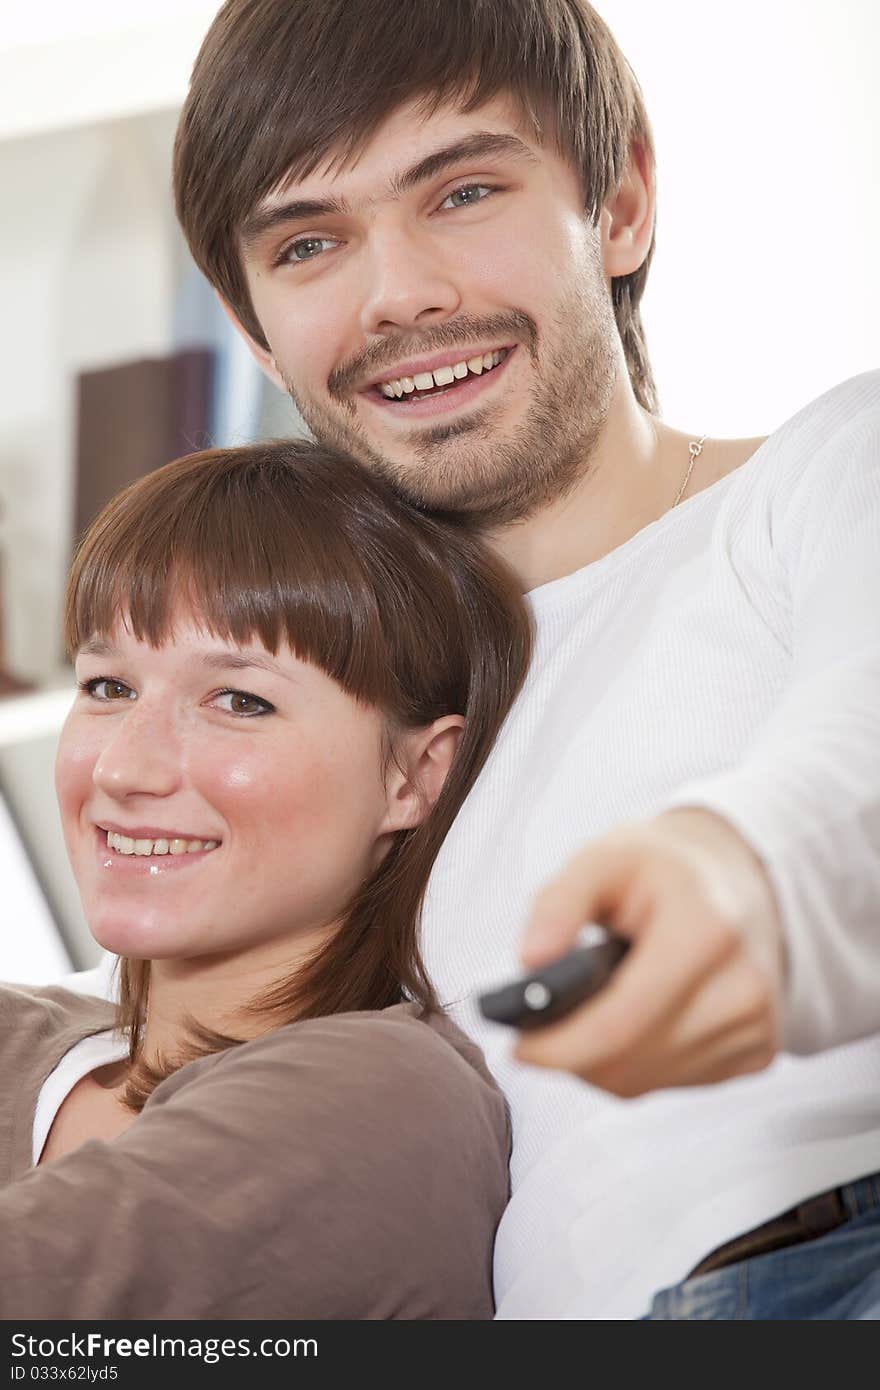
(241, 775)
(78, 751)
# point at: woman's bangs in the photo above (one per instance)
(260, 571)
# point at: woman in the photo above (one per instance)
(287, 683)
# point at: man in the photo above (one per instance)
(433, 226)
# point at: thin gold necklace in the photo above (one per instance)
(695, 448)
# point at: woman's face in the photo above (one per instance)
(217, 799)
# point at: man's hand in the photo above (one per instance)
(699, 996)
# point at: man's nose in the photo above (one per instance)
(408, 285)
(142, 757)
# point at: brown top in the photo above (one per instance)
(345, 1167)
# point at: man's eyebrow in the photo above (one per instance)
(483, 144)
(266, 219)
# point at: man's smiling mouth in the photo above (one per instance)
(423, 384)
(448, 386)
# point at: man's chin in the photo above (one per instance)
(468, 468)
(449, 475)
(462, 491)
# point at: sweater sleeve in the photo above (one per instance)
(348, 1167)
(807, 795)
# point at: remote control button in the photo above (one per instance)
(536, 995)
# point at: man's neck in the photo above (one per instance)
(632, 478)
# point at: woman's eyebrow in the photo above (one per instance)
(242, 661)
(212, 661)
(97, 646)
(483, 144)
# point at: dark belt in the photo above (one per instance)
(815, 1217)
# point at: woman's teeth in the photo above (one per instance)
(443, 376)
(122, 844)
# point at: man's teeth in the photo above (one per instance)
(444, 376)
(122, 844)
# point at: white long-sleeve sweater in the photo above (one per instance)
(727, 656)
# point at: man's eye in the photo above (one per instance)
(307, 248)
(240, 702)
(105, 688)
(468, 194)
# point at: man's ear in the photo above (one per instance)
(262, 356)
(417, 773)
(627, 217)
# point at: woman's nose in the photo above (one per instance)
(142, 756)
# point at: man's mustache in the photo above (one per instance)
(463, 331)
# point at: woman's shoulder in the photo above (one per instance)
(403, 1035)
(29, 1014)
(37, 1028)
(353, 1166)
(391, 1071)
(368, 1058)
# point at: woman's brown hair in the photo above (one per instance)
(281, 86)
(292, 543)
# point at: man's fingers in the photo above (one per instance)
(668, 1017)
(693, 1001)
(588, 889)
(649, 985)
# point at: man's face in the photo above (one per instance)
(438, 309)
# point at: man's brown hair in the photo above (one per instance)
(280, 86)
(289, 542)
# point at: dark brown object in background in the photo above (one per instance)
(135, 417)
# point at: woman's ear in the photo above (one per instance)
(416, 775)
(262, 356)
(627, 218)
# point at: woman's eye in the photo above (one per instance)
(104, 688)
(465, 196)
(307, 248)
(240, 702)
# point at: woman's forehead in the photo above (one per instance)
(186, 629)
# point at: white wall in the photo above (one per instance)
(74, 62)
(765, 289)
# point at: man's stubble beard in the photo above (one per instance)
(469, 470)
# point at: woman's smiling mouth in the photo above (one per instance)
(153, 854)
(125, 844)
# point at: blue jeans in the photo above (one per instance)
(835, 1276)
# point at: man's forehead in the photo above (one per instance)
(407, 137)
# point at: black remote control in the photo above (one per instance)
(550, 993)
